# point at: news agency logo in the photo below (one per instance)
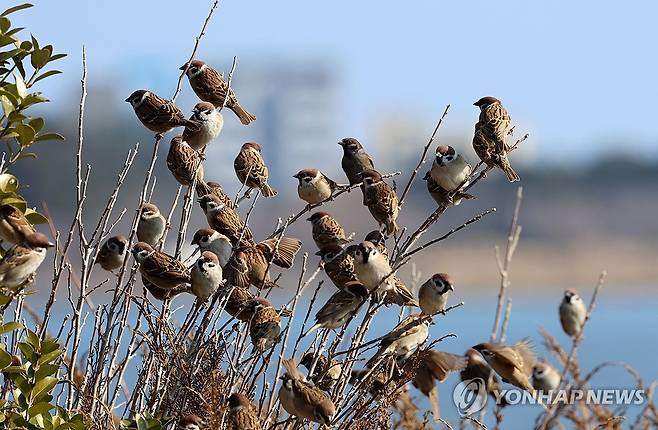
(470, 396)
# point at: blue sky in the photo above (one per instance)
(580, 76)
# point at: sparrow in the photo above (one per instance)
(239, 303)
(112, 253)
(242, 415)
(208, 239)
(191, 422)
(314, 187)
(374, 271)
(157, 114)
(377, 238)
(206, 276)
(326, 230)
(381, 200)
(19, 264)
(210, 123)
(355, 160)
(376, 384)
(209, 86)
(203, 188)
(436, 366)
(338, 265)
(225, 220)
(477, 367)
(572, 313)
(249, 265)
(326, 373)
(443, 197)
(513, 363)
(164, 294)
(251, 169)
(544, 377)
(14, 227)
(341, 306)
(449, 169)
(302, 399)
(490, 135)
(184, 162)
(265, 325)
(403, 340)
(433, 294)
(160, 269)
(151, 225)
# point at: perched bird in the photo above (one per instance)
(191, 422)
(326, 230)
(302, 399)
(160, 269)
(210, 86)
(208, 239)
(184, 162)
(242, 415)
(338, 265)
(251, 169)
(210, 123)
(436, 366)
(443, 197)
(239, 303)
(449, 169)
(249, 265)
(377, 381)
(355, 160)
(314, 187)
(151, 225)
(326, 373)
(225, 220)
(374, 271)
(433, 294)
(14, 227)
(572, 313)
(513, 363)
(477, 367)
(401, 342)
(265, 325)
(157, 114)
(206, 276)
(489, 141)
(381, 200)
(544, 377)
(377, 238)
(112, 253)
(341, 306)
(203, 188)
(19, 264)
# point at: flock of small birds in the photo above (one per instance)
(233, 263)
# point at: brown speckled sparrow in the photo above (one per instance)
(572, 313)
(340, 307)
(112, 253)
(191, 422)
(242, 415)
(251, 169)
(210, 123)
(477, 367)
(338, 264)
(184, 162)
(151, 225)
(314, 187)
(449, 169)
(381, 200)
(249, 265)
(225, 220)
(157, 114)
(215, 189)
(206, 276)
(326, 230)
(377, 381)
(433, 294)
(19, 264)
(210, 86)
(302, 399)
(355, 160)
(436, 366)
(544, 377)
(159, 268)
(208, 239)
(239, 303)
(443, 197)
(377, 238)
(164, 294)
(14, 227)
(403, 340)
(490, 137)
(265, 325)
(513, 363)
(325, 374)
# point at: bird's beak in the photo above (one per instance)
(296, 176)
(340, 143)
(199, 200)
(50, 245)
(451, 288)
(183, 67)
(308, 219)
(127, 100)
(319, 253)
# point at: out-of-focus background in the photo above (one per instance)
(578, 76)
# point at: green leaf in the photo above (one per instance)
(39, 58)
(10, 326)
(40, 408)
(36, 123)
(49, 136)
(43, 386)
(26, 135)
(8, 183)
(35, 217)
(27, 351)
(5, 24)
(16, 8)
(21, 89)
(33, 340)
(46, 74)
(55, 57)
(5, 358)
(7, 106)
(32, 99)
(26, 155)
(17, 201)
(46, 370)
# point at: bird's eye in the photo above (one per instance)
(204, 239)
(352, 148)
(307, 179)
(113, 246)
(373, 251)
(193, 69)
